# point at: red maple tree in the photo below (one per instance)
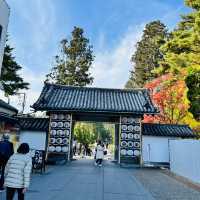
(168, 93)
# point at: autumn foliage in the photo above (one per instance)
(176, 87)
(168, 93)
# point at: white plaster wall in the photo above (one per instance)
(155, 149)
(35, 139)
(4, 15)
(185, 158)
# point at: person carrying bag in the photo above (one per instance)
(99, 154)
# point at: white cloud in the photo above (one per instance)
(36, 83)
(32, 32)
(38, 18)
(111, 67)
(32, 41)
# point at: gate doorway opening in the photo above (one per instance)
(97, 127)
(85, 136)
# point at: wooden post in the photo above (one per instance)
(119, 133)
(70, 140)
(141, 140)
(116, 142)
(48, 138)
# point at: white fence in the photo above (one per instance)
(155, 149)
(185, 158)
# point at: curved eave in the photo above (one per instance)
(84, 99)
(93, 111)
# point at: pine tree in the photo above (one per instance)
(148, 55)
(10, 80)
(74, 62)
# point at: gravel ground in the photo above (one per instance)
(162, 186)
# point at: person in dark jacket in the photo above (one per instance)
(6, 150)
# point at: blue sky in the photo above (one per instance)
(113, 27)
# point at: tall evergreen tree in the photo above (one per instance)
(74, 62)
(84, 134)
(182, 53)
(193, 83)
(10, 80)
(131, 83)
(147, 55)
(101, 132)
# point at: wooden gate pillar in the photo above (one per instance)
(116, 154)
(72, 138)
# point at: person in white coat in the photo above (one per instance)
(99, 153)
(17, 173)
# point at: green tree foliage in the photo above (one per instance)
(131, 83)
(84, 134)
(147, 55)
(193, 84)
(102, 133)
(11, 81)
(182, 53)
(72, 66)
(87, 133)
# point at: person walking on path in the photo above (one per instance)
(74, 146)
(99, 153)
(17, 172)
(6, 150)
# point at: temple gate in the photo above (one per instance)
(67, 104)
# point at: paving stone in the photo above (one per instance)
(164, 187)
(81, 180)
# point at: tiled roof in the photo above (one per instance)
(88, 99)
(7, 118)
(173, 130)
(170, 130)
(34, 124)
(5, 105)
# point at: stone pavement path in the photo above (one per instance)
(81, 180)
(164, 187)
